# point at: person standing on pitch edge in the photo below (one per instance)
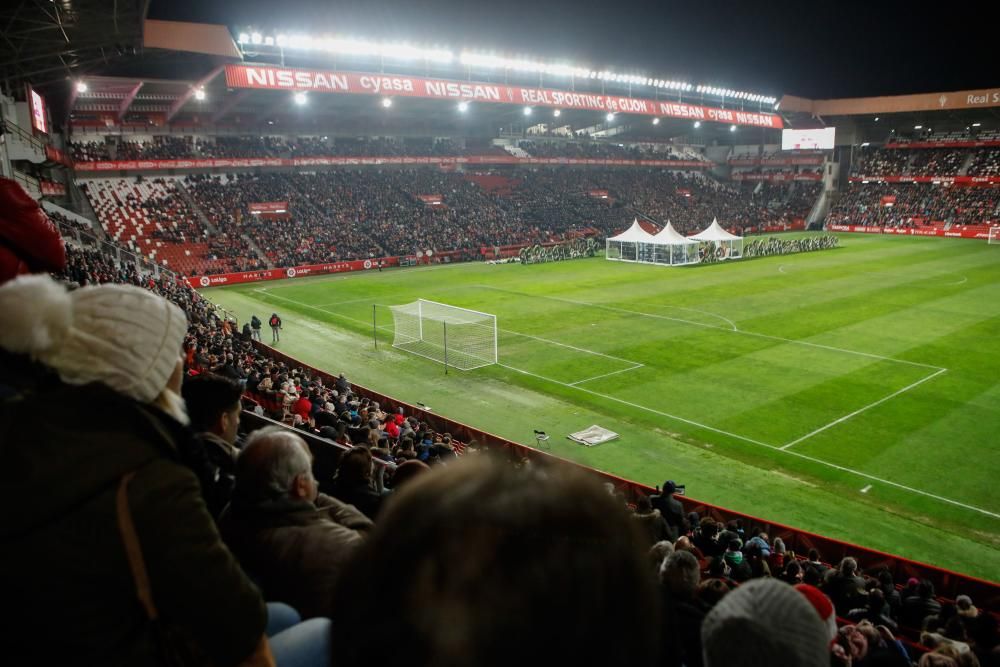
(255, 327)
(275, 323)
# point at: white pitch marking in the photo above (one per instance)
(866, 489)
(964, 280)
(572, 347)
(716, 430)
(598, 377)
(717, 328)
(860, 410)
(781, 268)
(692, 310)
(772, 447)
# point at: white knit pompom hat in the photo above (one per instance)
(762, 623)
(125, 337)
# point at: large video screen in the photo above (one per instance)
(38, 116)
(807, 140)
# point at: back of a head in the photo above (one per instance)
(207, 397)
(268, 464)
(493, 562)
(764, 622)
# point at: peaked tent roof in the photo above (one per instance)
(670, 236)
(633, 233)
(715, 232)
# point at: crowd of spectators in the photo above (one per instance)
(403, 526)
(915, 204)
(943, 161)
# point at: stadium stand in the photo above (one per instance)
(917, 204)
(332, 415)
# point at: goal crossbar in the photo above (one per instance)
(460, 338)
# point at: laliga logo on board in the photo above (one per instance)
(290, 273)
(368, 264)
(204, 281)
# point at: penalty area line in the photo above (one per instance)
(862, 409)
(806, 457)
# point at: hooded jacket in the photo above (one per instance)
(62, 561)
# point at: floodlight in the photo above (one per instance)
(656, 121)
(269, 41)
(386, 102)
(199, 95)
(918, 127)
(865, 144)
(81, 87)
(527, 111)
(256, 38)
(244, 38)
(463, 106)
(557, 113)
(281, 40)
(973, 125)
(697, 124)
(300, 98)
(610, 117)
(732, 128)
(876, 119)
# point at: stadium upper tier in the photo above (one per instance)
(204, 224)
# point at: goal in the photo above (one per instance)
(994, 237)
(456, 337)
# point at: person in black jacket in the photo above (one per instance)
(275, 323)
(670, 508)
(255, 324)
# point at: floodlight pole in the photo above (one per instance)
(374, 328)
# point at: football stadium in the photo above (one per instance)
(332, 341)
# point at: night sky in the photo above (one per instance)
(819, 49)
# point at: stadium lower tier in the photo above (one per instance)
(201, 225)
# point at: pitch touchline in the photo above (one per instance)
(711, 428)
(712, 326)
(860, 410)
(764, 444)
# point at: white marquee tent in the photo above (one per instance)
(674, 249)
(725, 245)
(635, 244)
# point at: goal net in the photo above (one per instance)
(994, 237)
(458, 337)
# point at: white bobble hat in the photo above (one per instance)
(125, 337)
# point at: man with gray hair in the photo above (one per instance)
(290, 538)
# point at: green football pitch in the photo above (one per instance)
(852, 392)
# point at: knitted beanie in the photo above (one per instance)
(125, 337)
(29, 242)
(823, 606)
(762, 623)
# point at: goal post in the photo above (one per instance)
(994, 235)
(457, 337)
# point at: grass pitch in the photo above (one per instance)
(852, 392)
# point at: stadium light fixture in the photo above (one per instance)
(200, 94)
(269, 41)
(256, 38)
(81, 87)
(527, 111)
(976, 124)
(463, 106)
(386, 102)
(697, 124)
(918, 127)
(243, 38)
(656, 121)
(281, 40)
(876, 119)
(732, 128)
(557, 113)
(300, 98)
(610, 117)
